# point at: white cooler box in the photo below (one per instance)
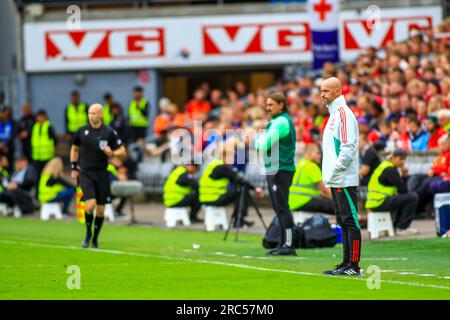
(442, 213)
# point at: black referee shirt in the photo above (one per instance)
(91, 142)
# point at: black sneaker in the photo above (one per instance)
(348, 270)
(95, 244)
(284, 251)
(271, 251)
(243, 223)
(86, 241)
(336, 269)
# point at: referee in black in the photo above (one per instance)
(92, 145)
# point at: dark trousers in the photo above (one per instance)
(18, 197)
(191, 200)
(279, 184)
(65, 197)
(405, 206)
(345, 207)
(422, 189)
(136, 133)
(322, 205)
(232, 196)
(121, 204)
(38, 167)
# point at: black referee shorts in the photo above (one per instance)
(96, 185)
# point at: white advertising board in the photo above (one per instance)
(207, 41)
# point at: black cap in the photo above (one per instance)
(138, 88)
(399, 153)
(41, 112)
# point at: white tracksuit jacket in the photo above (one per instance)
(340, 162)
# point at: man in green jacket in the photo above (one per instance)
(278, 146)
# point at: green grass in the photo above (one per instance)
(153, 263)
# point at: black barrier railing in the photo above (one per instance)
(153, 173)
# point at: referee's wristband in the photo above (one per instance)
(74, 165)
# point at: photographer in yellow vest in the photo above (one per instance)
(307, 192)
(219, 184)
(76, 113)
(43, 141)
(181, 190)
(138, 112)
(107, 115)
(387, 191)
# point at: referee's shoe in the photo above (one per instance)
(87, 240)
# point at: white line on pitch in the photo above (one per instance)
(237, 265)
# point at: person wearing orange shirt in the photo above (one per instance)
(198, 106)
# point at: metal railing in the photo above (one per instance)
(152, 172)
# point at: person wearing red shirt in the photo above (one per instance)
(436, 132)
(198, 106)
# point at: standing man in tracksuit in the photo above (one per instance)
(340, 170)
(278, 146)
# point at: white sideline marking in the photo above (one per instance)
(237, 265)
(386, 259)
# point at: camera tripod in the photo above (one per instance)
(238, 212)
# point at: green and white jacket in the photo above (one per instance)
(340, 164)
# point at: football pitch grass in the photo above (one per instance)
(155, 263)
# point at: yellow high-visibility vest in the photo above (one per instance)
(42, 146)
(137, 119)
(210, 189)
(76, 117)
(377, 192)
(47, 193)
(173, 192)
(107, 116)
(303, 187)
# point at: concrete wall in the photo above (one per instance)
(52, 91)
(9, 59)
(8, 36)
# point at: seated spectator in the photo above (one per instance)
(7, 132)
(387, 191)
(198, 106)
(170, 116)
(307, 192)
(418, 137)
(435, 131)
(181, 190)
(118, 172)
(369, 159)
(439, 171)
(4, 175)
(220, 185)
(444, 119)
(19, 190)
(53, 187)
